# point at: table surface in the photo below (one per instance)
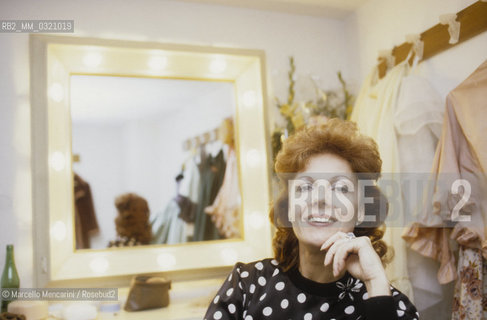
(188, 301)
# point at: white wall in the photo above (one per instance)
(101, 161)
(316, 43)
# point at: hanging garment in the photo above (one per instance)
(86, 223)
(471, 287)
(167, 227)
(170, 225)
(224, 211)
(189, 191)
(212, 170)
(418, 119)
(461, 154)
(374, 114)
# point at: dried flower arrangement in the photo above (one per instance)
(328, 104)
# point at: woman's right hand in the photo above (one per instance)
(358, 257)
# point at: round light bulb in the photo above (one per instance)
(253, 158)
(99, 265)
(249, 99)
(218, 65)
(56, 92)
(57, 161)
(256, 220)
(92, 59)
(229, 256)
(166, 260)
(157, 63)
(58, 231)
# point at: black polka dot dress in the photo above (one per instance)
(261, 290)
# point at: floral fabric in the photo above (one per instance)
(469, 301)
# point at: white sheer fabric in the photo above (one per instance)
(374, 113)
(418, 120)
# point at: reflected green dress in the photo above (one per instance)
(212, 170)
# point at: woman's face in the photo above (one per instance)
(324, 199)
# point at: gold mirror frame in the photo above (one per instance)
(53, 60)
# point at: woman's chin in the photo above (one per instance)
(315, 240)
(316, 237)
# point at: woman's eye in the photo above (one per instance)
(341, 187)
(305, 188)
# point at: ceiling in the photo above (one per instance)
(337, 9)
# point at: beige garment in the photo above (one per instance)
(374, 114)
(225, 209)
(461, 154)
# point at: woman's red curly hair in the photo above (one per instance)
(341, 138)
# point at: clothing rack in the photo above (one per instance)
(202, 139)
(473, 21)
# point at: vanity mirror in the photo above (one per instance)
(128, 117)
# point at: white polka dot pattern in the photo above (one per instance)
(284, 303)
(252, 288)
(402, 306)
(267, 311)
(260, 291)
(349, 309)
(280, 286)
(324, 307)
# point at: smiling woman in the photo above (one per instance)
(326, 265)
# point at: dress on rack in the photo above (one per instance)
(418, 119)
(374, 114)
(461, 156)
(170, 225)
(212, 170)
(85, 217)
(224, 211)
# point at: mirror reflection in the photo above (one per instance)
(154, 161)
